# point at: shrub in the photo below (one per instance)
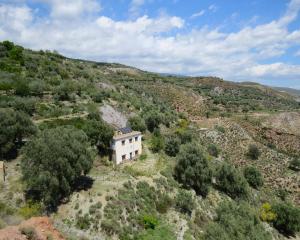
(295, 165)
(30, 210)
(213, 150)
(253, 177)
(163, 203)
(150, 221)
(29, 232)
(57, 157)
(266, 213)
(157, 143)
(288, 218)
(184, 201)
(137, 124)
(230, 181)
(253, 152)
(83, 222)
(192, 169)
(172, 146)
(159, 233)
(235, 222)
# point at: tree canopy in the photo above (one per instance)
(53, 161)
(193, 170)
(14, 126)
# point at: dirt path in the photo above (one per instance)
(69, 116)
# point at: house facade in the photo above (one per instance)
(126, 145)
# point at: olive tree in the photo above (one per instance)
(14, 126)
(193, 170)
(52, 162)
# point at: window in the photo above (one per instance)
(136, 139)
(123, 142)
(136, 152)
(130, 140)
(124, 157)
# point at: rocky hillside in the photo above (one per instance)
(220, 159)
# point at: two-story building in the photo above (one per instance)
(126, 145)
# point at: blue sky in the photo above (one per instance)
(246, 40)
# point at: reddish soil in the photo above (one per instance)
(42, 226)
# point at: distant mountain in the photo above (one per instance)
(291, 91)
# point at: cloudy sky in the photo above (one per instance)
(240, 40)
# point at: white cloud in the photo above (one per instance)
(135, 6)
(148, 43)
(213, 8)
(72, 8)
(198, 14)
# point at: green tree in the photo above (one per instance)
(52, 162)
(288, 218)
(253, 177)
(8, 45)
(193, 170)
(172, 146)
(153, 119)
(14, 126)
(137, 124)
(253, 152)
(230, 181)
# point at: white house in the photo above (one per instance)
(126, 145)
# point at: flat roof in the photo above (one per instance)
(127, 135)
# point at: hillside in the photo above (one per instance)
(202, 138)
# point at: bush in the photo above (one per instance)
(157, 143)
(236, 222)
(57, 157)
(163, 203)
(137, 124)
(184, 201)
(83, 222)
(230, 181)
(29, 232)
(159, 233)
(213, 150)
(172, 146)
(253, 152)
(192, 169)
(253, 177)
(288, 218)
(266, 213)
(295, 165)
(150, 221)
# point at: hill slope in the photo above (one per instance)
(144, 199)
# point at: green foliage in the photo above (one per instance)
(150, 221)
(83, 222)
(213, 150)
(295, 165)
(30, 209)
(235, 222)
(266, 213)
(230, 181)
(185, 201)
(14, 126)
(163, 203)
(153, 119)
(57, 157)
(159, 233)
(253, 152)
(192, 169)
(137, 124)
(287, 218)
(8, 45)
(172, 146)
(253, 177)
(157, 143)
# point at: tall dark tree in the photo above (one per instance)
(14, 126)
(193, 170)
(53, 161)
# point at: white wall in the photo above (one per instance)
(127, 148)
